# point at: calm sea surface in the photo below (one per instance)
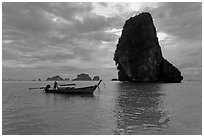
(118, 108)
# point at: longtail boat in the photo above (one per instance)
(72, 90)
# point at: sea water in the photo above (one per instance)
(114, 108)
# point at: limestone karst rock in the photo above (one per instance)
(55, 78)
(138, 54)
(82, 77)
(96, 78)
(66, 79)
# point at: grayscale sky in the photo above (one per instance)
(40, 40)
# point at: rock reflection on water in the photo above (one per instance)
(140, 107)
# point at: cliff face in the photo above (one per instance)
(138, 55)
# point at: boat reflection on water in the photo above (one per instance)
(57, 98)
(140, 107)
(70, 95)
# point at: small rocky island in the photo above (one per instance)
(82, 77)
(96, 78)
(138, 55)
(66, 79)
(55, 78)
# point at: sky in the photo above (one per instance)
(41, 40)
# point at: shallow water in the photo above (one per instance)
(117, 108)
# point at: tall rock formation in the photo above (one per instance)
(138, 55)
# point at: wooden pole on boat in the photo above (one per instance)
(98, 83)
(68, 84)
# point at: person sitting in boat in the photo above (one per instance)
(55, 85)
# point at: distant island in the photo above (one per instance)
(96, 78)
(66, 79)
(82, 77)
(55, 78)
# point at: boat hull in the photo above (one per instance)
(69, 90)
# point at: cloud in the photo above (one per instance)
(7, 41)
(99, 36)
(183, 20)
(22, 16)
